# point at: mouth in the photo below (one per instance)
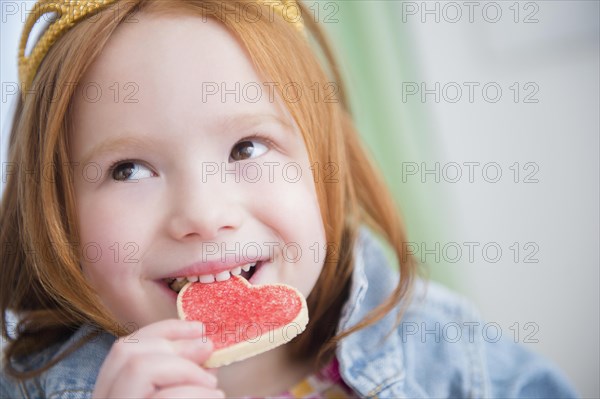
(246, 271)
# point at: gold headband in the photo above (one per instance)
(69, 12)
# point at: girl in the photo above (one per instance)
(160, 141)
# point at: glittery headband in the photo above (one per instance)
(69, 12)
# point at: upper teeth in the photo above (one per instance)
(222, 276)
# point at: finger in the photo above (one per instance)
(142, 375)
(197, 350)
(148, 340)
(169, 329)
(194, 350)
(120, 353)
(188, 392)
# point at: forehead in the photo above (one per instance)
(173, 68)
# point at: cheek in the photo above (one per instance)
(103, 247)
(102, 229)
(113, 217)
(288, 201)
(111, 239)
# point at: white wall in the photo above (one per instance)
(12, 18)
(559, 135)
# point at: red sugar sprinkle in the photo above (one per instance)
(234, 311)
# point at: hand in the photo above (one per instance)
(161, 360)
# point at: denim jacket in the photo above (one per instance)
(440, 350)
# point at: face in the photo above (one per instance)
(183, 170)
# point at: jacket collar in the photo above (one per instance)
(371, 360)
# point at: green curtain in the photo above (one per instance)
(377, 55)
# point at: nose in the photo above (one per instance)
(203, 210)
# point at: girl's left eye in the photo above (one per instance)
(248, 148)
(130, 170)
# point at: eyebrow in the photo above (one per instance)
(113, 145)
(250, 120)
(229, 122)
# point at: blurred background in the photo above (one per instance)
(484, 117)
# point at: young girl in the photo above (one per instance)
(161, 141)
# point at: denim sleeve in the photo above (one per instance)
(442, 348)
(448, 352)
(7, 390)
(33, 388)
(74, 377)
(516, 372)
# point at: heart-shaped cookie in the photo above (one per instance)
(243, 320)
